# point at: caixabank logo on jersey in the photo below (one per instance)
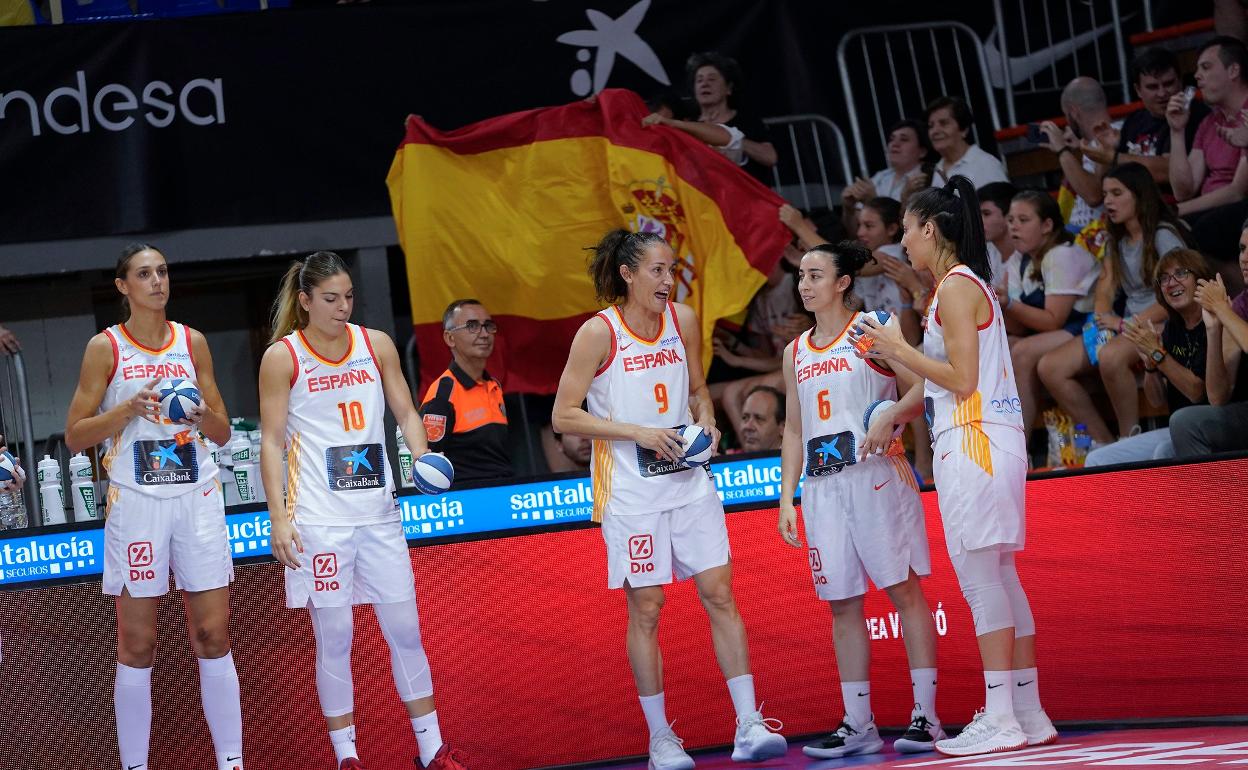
(358, 466)
(157, 463)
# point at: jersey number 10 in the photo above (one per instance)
(352, 415)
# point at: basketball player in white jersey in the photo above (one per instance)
(980, 455)
(863, 514)
(164, 507)
(324, 387)
(639, 362)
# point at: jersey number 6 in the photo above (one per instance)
(825, 406)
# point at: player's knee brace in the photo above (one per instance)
(979, 576)
(333, 628)
(1024, 622)
(400, 624)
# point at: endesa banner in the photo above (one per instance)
(67, 553)
(1135, 578)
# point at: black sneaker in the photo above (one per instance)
(846, 741)
(920, 736)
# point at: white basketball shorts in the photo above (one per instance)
(981, 480)
(646, 549)
(345, 565)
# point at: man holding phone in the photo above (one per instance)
(1087, 123)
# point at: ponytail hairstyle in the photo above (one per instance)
(123, 269)
(618, 247)
(301, 278)
(954, 210)
(889, 211)
(849, 258)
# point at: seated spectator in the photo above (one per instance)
(1173, 359)
(879, 229)
(949, 123)
(1045, 300)
(762, 420)
(565, 452)
(1222, 425)
(994, 208)
(907, 149)
(1142, 229)
(716, 83)
(1145, 135)
(463, 409)
(1087, 120)
(1210, 177)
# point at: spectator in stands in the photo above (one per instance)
(949, 123)
(8, 341)
(565, 452)
(1222, 425)
(1142, 229)
(907, 149)
(1173, 359)
(762, 420)
(463, 409)
(716, 83)
(1210, 178)
(1087, 120)
(1145, 134)
(879, 229)
(1046, 297)
(994, 208)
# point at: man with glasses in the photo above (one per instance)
(463, 409)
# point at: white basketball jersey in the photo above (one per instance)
(165, 460)
(643, 382)
(995, 400)
(337, 470)
(834, 388)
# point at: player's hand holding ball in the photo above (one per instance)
(664, 442)
(146, 403)
(872, 338)
(180, 401)
(882, 427)
(699, 443)
(432, 473)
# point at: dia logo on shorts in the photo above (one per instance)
(816, 566)
(325, 567)
(641, 549)
(139, 555)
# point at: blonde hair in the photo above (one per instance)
(301, 277)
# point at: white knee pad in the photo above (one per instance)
(979, 575)
(400, 624)
(1024, 622)
(334, 628)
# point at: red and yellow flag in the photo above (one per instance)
(503, 210)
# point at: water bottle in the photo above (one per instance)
(1083, 444)
(51, 496)
(405, 459)
(244, 468)
(82, 486)
(257, 481)
(13, 510)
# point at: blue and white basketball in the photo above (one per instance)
(8, 468)
(697, 445)
(176, 398)
(433, 473)
(872, 415)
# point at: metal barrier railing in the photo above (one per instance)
(939, 56)
(1039, 47)
(808, 159)
(19, 431)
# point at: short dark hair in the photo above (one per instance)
(780, 405)
(1155, 61)
(1230, 51)
(919, 129)
(999, 194)
(726, 65)
(961, 113)
(448, 315)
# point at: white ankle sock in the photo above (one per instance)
(344, 742)
(741, 688)
(998, 698)
(428, 736)
(857, 697)
(655, 709)
(1026, 689)
(218, 691)
(132, 697)
(923, 680)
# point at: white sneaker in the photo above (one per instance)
(667, 752)
(920, 736)
(758, 739)
(1037, 727)
(848, 739)
(986, 734)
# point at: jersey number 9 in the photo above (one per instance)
(660, 397)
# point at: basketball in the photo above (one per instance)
(8, 468)
(433, 473)
(697, 445)
(176, 399)
(873, 412)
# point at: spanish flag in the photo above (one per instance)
(503, 210)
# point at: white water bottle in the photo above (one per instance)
(257, 481)
(82, 488)
(405, 459)
(51, 496)
(244, 468)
